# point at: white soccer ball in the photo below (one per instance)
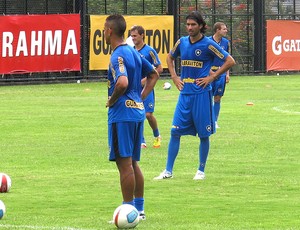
(126, 216)
(2, 209)
(5, 182)
(167, 86)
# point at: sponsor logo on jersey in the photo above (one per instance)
(190, 63)
(188, 80)
(216, 51)
(121, 64)
(134, 104)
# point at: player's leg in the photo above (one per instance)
(149, 104)
(182, 125)
(218, 93)
(122, 137)
(143, 141)
(173, 149)
(203, 153)
(204, 122)
(139, 190)
(217, 107)
(139, 178)
(153, 124)
(127, 179)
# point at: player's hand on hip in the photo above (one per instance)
(177, 81)
(227, 78)
(107, 105)
(204, 81)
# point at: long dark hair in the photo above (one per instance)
(197, 17)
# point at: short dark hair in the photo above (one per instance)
(117, 23)
(139, 29)
(197, 17)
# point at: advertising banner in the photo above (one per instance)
(283, 45)
(39, 43)
(159, 34)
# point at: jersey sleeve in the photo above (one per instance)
(228, 46)
(154, 56)
(217, 51)
(175, 52)
(146, 67)
(118, 67)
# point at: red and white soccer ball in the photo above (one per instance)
(167, 86)
(2, 209)
(5, 182)
(126, 216)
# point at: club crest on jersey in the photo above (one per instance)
(208, 128)
(198, 52)
(150, 105)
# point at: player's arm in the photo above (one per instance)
(227, 73)
(150, 80)
(119, 90)
(171, 66)
(227, 76)
(155, 61)
(229, 62)
(159, 70)
(143, 81)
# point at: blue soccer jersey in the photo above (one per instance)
(218, 86)
(126, 61)
(197, 62)
(151, 55)
(217, 63)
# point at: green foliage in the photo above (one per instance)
(54, 146)
(136, 7)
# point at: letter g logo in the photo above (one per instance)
(276, 45)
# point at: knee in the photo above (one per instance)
(174, 134)
(217, 99)
(149, 116)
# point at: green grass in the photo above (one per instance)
(53, 144)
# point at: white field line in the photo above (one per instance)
(281, 110)
(10, 226)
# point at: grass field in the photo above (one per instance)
(53, 144)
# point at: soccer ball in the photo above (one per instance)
(5, 182)
(167, 86)
(2, 209)
(126, 216)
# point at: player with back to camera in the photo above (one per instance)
(218, 86)
(194, 113)
(137, 34)
(126, 113)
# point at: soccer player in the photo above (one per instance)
(194, 113)
(126, 111)
(218, 86)
(137, 34)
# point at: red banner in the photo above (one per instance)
(39, 43)
(283, 45)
